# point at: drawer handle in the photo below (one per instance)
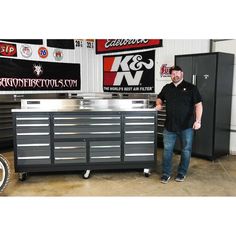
(105, 157)
(142, 142)
(23, 134)
(35, 118)
(86, 124)
(72, 147)
(70, 133)
(139, 154)
(33, 158)
(90, 118)
(139, 132)
(139, 123)
(111, 146)
(139, 117)
(31, 125)
(69, 158)
(33, 145)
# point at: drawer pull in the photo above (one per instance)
(70, 133)
(34, 118)
(90, 118)
(32, 134)
(139, 154)
(139, 123)
(33, 145)
(111, 146)
(142, 142)
(139, 117)
(33, 158)
(72, 147)
(69, 158)
(105, 157)
(139, 132)
(86, 124)
(31, 125)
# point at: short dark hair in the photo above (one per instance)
(175, 68)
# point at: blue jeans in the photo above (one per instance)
(169, 138)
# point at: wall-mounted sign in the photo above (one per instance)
(26, 50)
(90, 43)
(8, 50)
(43, 52)
(58, 54)
(18, 74)
(79, 43)
(129, 73)
(165, 70)
(116, 45)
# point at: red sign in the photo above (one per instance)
(43, 52)
(8, 50)
(116, 45)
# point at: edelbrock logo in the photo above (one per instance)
(128, 63)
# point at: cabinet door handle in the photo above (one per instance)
(194, 77)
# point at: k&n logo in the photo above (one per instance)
(128, 68)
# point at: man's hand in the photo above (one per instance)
(159, 107)
(197, 125)
(159, 104)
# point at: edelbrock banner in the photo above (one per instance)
(117, 45)
(129, 73)
(18, 74)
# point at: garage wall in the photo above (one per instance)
(229, 46)
(91, 64)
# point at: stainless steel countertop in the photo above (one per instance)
(80, 110)
(83, 105)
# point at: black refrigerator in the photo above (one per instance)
(212, 73)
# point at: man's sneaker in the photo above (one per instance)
(165, 179)
(180, 178)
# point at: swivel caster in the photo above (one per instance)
(146, 172)
(86, 174)
(22, 176)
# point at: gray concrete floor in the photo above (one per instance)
(205, 178)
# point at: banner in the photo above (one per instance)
(18, 74)
(129, 73)
(116, 45)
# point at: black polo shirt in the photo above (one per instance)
(180, 103)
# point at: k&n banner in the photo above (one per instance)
(129, 73)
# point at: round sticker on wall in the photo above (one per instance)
(26, 51)
(58, 54)
(43, 52)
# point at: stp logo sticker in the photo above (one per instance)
(8, 50)
(43, 52)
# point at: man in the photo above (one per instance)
(183, 115)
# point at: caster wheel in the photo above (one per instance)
(146, 172)
(22, 176)
(86, 174)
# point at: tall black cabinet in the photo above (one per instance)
(212, 73)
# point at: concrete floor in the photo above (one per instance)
(205, 178)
